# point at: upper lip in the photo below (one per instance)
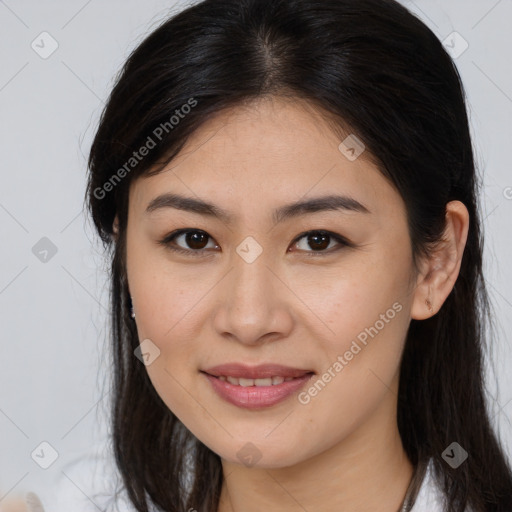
(260, 371)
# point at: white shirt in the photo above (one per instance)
(430, 498)
(91, 482)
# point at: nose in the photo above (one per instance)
(256, 304)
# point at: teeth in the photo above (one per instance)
(269, 381)
(245, 382)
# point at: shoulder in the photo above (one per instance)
(88, 483)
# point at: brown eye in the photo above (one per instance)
(195, 239)
(319, 241)
(192, 241)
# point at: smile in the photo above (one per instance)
(256, 393)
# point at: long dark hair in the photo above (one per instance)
(371, 66)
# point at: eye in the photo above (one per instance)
(197, 242)
(195, 239)
(319, 240)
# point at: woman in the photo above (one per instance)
(289, 194)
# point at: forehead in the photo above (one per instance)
(270, 152)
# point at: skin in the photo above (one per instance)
(13, 505)
(285, 307)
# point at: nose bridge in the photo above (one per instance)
(251, 283)
(253, 303)
(250, 276)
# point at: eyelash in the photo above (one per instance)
(166, 242)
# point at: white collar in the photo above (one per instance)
(431, 497)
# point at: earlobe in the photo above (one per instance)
(115, 227)
(440, 271)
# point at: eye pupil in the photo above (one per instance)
(315, 238)
(194, 237)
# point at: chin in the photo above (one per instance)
(261, 455)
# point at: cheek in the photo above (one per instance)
(361, 355)
(164, 295)
(167, 309)
(367, 313)
(351, 299)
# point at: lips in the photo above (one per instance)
(262, 371)
(265, 387)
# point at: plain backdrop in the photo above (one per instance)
(53, 284)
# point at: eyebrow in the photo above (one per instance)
(316, 204)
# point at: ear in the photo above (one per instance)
(440, 271)
(115, 227)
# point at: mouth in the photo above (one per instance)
(260, 374)
(269, 381)
(256, 387)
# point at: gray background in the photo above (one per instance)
(53, 306)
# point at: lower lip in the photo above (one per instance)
(256, 397)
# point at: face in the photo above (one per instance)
(323, 290)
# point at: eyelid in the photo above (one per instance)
(166, 242)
